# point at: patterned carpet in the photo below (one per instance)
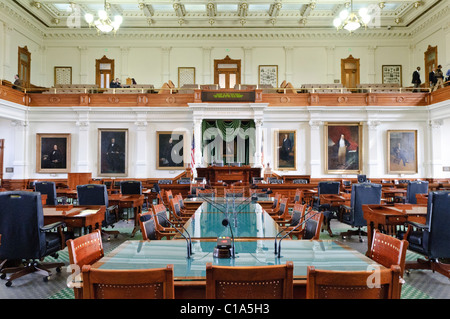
(419, 284)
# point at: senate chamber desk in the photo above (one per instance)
(129, 201)
(190, 273)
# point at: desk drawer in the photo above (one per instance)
(395, 220)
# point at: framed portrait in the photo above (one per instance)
(170, 150)
(268, 74)
(52, 153)
(186, 75)
(63, 75)
(392, 74)
(285, 150)
(402, 151)
(112, 152)
(343, 148)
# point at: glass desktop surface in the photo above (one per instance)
(247, 219)
(327, 255)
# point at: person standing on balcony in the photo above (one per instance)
(416, 79)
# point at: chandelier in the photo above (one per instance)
(104, 23)
(351, 21)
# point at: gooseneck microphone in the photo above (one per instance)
(226, 222)
(296, 227)
(188, 240)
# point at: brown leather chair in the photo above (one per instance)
(84, 250)
(263, 282)
(128, 284)
(328, 284)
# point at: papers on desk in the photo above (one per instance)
(87, 212)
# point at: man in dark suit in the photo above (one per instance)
(432, 79)
(416, 79)
(286, 148)
(56, 157)
(113, 156)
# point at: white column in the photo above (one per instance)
(371, 64)
(140, 168)
(330, 64)
(84, 66)
(124, 58)
(248, 64)
(84, 144)
(43, 68)
(3, 48)
(433, 149)
(165, 64)
(21, 149)
(258, 142)
(207, 66)
(315, 147)
(370, 153)
(289, 57)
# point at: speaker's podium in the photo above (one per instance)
(229, 174)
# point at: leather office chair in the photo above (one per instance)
(131, 188)
(362, 194)
(128, 284)
(432, 239)
(25, 239)
(84, 250)
(276, 203)
(326, 188)
(96, 194)
(261, 282)
(413, 188)
(329, 284)
(313, 226)
(49, 189)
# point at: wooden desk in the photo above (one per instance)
(387, 217)
(129, 201)
(228, 174)
(90, 217)
(389, 193)
(335, 201)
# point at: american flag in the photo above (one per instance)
(193, 152)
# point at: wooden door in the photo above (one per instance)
(431, 62)
(24, 67)
(350, 72)
(104, 72)
(227, 72)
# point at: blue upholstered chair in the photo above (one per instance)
(25, 239)
(362, 194)
(131, 188)
(326, 188)
(413, 188)
(97, 195)
(49, 189)
(432, 239)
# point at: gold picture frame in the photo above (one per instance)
(53, 153)
(285, 150)
(343, 148)
(186, 75)
(392, 74)
(402, 152)
(112, 152)
(62, 75)
(171, 155)
(268, 74)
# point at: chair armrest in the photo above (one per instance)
(417, 225)
(52, 226)
(113, 207)
(346, 207)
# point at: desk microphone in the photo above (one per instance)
(279, 242)
(226, 222)
(189, 241)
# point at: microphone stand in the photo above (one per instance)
(279, 242)
(189, 241)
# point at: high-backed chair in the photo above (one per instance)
(177, 216)
(147, 226)
(84, 250)
(329, 284)
(96, 194)
(276, 203)
(362, 194)
(413, 188)
(131, 187)
(128, 284)
(432, 239)
(162, 226)
(326, 188)
(283, 211)
(49, 189)
(234, 192)
(388, 250)
(261, 282)
(25, 238)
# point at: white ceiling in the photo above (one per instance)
(142, 14)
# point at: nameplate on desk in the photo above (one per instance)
(237, 96)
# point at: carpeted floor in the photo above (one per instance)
(420, 284)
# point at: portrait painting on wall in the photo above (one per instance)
(402, 150)
(170, 150)
(112, 152)
(52, 153)
(343, 148)
(285, 157)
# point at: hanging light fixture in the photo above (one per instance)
(350, 20)
(103, 23)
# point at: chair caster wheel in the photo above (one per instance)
(8, 284)
(46, 278)
(58, 269)
(3, 276)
